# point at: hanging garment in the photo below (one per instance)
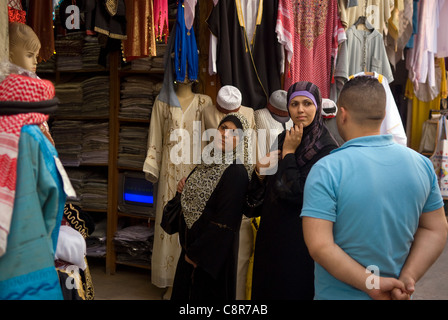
(189, 12)
(161, 25)
(377, 13)
(420, 109)
(411, 41)
(396, 41)
(363, 51)
(141, 41)
(160, 168)
(442, 38)
(420, 59)
(253, 65)
(314, 29)
(110, 19)
(186, 56)
(40, 18)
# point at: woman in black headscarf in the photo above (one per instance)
(283, 268)
(213, 202)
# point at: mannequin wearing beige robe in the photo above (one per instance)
(159, 168)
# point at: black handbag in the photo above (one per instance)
(171, 215)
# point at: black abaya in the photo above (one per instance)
(283, 268)
(212, 242)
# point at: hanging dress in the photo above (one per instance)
(314, 25)
(141, 41)
(186, 57)
(250, 64)
(161, 26)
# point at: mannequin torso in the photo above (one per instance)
(184, 94)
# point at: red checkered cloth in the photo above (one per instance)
(15, 15)
(13, 89)
(18, 88)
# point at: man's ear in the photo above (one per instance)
(342, 113)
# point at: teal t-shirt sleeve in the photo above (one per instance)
(319, 199)
(435, 200)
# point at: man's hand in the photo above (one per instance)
(293, 139)
(389, 289)
(409, 285)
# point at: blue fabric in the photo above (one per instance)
(27, 269)
(185, 50)
(374, 191)
(411, 41)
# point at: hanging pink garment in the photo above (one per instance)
(313, 26)
(189, 11)
(161, 25)
(442, 38)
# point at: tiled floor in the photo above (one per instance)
(130, 283)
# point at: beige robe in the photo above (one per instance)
(160, 168)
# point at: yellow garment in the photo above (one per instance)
(420, 109)
(255, 224)
(141, 40)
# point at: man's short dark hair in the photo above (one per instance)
(365, 98)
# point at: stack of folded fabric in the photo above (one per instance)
(95, 142)
(67, 136)
(69, 52)
(137, 97)
(133, 244)
(70, 97)
(90, 54)
(132, 146)
(96, 96)
(96, 243)
(153, 63)
(90, 186)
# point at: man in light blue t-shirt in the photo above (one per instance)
(373, 216)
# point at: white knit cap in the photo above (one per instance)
(278, 100)
(229, 98)
(329, 108)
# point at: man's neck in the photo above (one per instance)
(361, 132)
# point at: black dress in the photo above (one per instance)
(212, 242)
(283, 268)
(246, 63)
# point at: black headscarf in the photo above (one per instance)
(310, 144)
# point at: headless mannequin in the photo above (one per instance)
(185, 94)
(24, 46)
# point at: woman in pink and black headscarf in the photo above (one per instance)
(282, 268)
